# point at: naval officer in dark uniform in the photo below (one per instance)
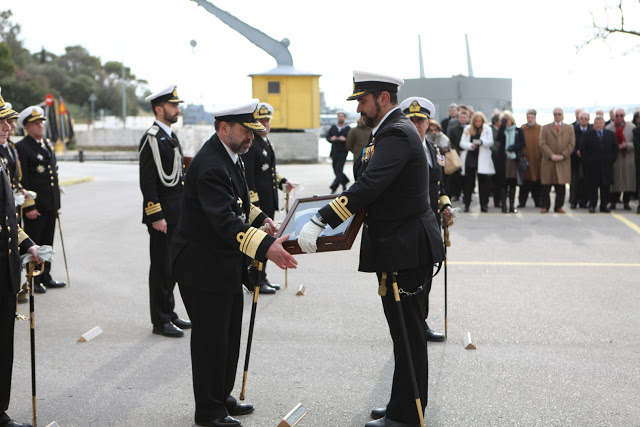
(217, 235)
(400, 233)
(263, 180)
(420, 110)
(13, 242)
(161, 182)
(40, 175)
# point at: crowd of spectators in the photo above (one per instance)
(599, 160)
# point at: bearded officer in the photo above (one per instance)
(400, 233)
(263, 180)
(13, 242)
(420, 110)
(40, 175)
(162, 184)
(215, 238)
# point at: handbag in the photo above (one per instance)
(523, 164)
(452, 162)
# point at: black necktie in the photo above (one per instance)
(240, 167)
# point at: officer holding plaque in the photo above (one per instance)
(400, 237)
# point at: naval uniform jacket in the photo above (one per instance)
(9, 157)
(13, 240)
(438, 198)
(39, 174)
(392, 183)
(217, 231)
(260, 172)
(160, 202)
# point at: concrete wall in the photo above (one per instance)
(290, 147)
(483, 94)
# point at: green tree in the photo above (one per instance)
(7, 66)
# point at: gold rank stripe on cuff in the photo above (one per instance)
(28, 201)
(339, 206)
(444, 201)
(254, 213)
(250, 241)
(22, 236)
(152, 208)
(253, 196)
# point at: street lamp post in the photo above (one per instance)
(92, 99)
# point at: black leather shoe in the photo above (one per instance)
(38, 288)
(378, 413)
(638, 211)
(466, 208)
(434, 336)
(55, 284)
(386, 422)
(484, 209)
(592, 210)
(181, 323)
(220, 422)
(266, 289)
(627, 207)
(272, 285)
(605, 209)
(168, 330)
(241, 409)
(574, 205)
(12, 423)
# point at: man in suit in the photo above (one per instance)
(557, 140)
(420, 110)
(13, 242)
(39, 174)
(624, 169)
(598, 150)
(531, 150)
(454, 185)
(161, 183)
(452, 117)
(636, 144)
(400, 233)
(337, 136)
(577, 192)
(215, 237)
(263, 182)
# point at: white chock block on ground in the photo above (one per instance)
(294, 416)
(302, 290)
(469, 343)
(91, 334)
(53, 424)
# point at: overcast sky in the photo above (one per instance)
(534, 43)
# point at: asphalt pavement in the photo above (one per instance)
(550, 300)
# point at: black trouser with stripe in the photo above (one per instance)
(7, 321)
(402, 404)
(215, 348)
(161, 300)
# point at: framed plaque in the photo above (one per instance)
(338, 239)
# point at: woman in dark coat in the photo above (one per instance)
(510, 140)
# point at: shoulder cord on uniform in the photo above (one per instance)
(167, 180)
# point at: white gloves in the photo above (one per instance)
(19, 198)
(309, 235)
(45, 252)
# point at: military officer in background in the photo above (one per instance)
(420, 110)
(13, 242)
(40, 175)
(216, 236)
(263, 181)
(162, 185)
(400, 233)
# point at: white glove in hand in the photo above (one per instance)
(19, 198)
(45, 252)
(309, 235)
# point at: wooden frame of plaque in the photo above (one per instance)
(338, 239)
